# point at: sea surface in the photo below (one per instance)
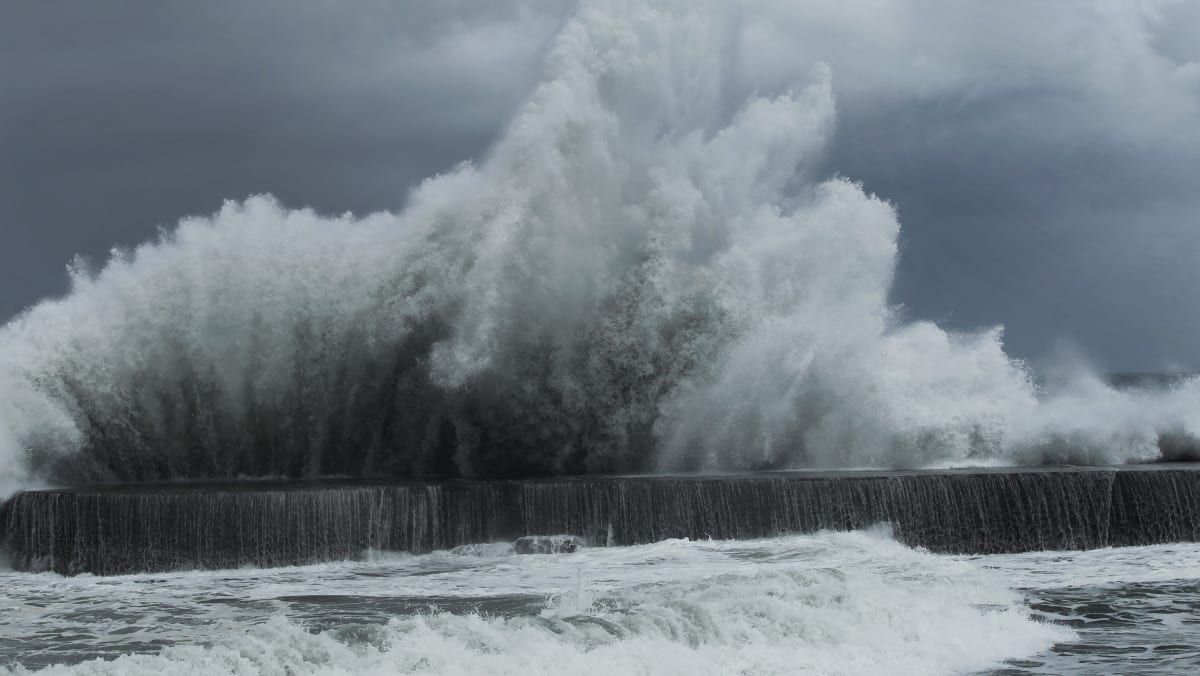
(828, 603)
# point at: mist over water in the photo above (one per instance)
(634, 278)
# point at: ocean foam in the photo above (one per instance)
(844, 603)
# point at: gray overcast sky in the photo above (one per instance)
(1044, 157)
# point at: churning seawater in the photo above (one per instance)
(829, 603)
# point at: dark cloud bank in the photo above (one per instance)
(1044, 157)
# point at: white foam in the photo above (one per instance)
(1098, 567)
(833, 603)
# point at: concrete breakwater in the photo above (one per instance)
(138, 528)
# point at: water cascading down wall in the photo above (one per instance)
(147, 528)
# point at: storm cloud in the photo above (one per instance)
(1044, 157)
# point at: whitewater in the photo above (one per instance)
(830, 603)
(636, 277)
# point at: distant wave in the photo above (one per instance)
(634, 278)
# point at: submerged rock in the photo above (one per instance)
(547, 544)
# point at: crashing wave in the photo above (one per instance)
(635, 277)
